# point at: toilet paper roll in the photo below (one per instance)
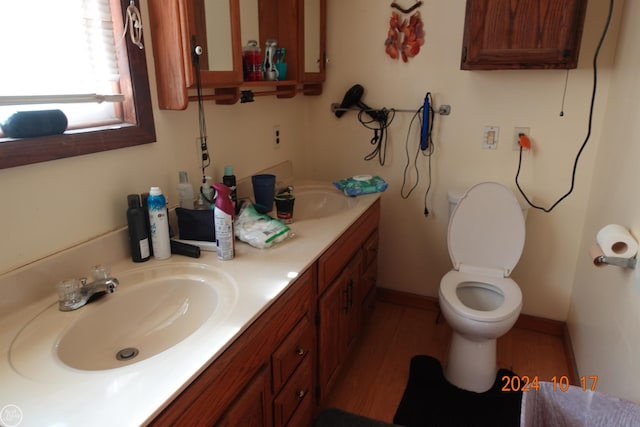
(616, 241)
(594, 254)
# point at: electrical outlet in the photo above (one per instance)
(276, 136)
(490, 137)
(516, 137)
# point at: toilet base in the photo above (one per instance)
(472, 364)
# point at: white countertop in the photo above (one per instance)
(134, 394)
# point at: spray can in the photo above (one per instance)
(159, 221)
(223, 219)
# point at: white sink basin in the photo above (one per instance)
(153, 309)
(320, 201)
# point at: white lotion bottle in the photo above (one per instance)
(159, 222)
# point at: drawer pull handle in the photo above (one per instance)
(301, 394)
(300, 351)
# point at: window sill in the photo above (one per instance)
(19, 152)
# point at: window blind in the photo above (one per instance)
(58, 52)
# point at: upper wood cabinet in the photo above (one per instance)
(221, 28)
(514, 34)
(175, 24)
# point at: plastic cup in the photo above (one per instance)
(284, 207)
(282, 70)
(264, 188)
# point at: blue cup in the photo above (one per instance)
(282, 70)
(264, 188)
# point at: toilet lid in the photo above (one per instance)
(486, 229)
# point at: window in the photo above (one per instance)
(120, 64)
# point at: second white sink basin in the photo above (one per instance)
(152, 310)
(319, 201)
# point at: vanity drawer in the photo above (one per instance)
(297, 347)
(295, 395)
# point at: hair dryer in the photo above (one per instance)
(353, 97)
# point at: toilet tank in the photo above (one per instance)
(456, 194)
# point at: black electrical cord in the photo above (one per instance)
(382, 118)
(427, 153)
(590, 122)
(202, 123)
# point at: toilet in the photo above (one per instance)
(478, 298)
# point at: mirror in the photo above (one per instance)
(214, 34)
(249, 22)
(312, 19)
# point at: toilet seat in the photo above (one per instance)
(505, 285)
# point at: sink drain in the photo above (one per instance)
(127, 353)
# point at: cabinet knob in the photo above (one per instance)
(300, 351)
(301, 394)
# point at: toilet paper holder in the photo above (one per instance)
(615, 245)
(618, 261)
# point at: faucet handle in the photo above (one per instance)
(100, 272)
(69, 294)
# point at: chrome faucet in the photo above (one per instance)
(75, 293)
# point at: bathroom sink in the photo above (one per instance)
(320, 201)
(154, 309)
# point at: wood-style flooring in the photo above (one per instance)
(375, 375)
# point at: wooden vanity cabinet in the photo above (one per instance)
(523, 34)
(274, 372)
(265, 377)
(346, 292)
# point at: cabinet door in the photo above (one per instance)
(507, 34)
(214, 24)
(340, 322)
(313, 22)
(251, 408)
(332, 310)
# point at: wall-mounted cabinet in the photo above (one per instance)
(221, 28)
(506, 34)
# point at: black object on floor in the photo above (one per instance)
(333, 417)
(430, 400)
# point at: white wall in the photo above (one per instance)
(605, 306)
(413, 250)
